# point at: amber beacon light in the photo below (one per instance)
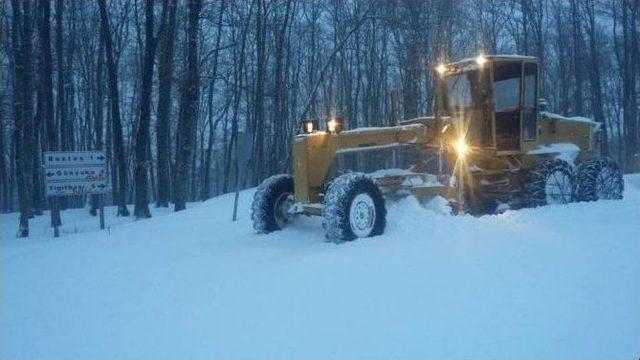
(334, 124)
(309, 126)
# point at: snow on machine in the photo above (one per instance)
(491, 145)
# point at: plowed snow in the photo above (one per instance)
(552, 282)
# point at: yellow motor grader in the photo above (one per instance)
(491, 145)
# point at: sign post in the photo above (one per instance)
(243, 145)
(55, 217)
(74, 173)
(101, 212)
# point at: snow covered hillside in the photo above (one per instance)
(553, 282)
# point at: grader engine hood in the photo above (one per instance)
(313, 153)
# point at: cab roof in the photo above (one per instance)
(466, 61)
(471, 63)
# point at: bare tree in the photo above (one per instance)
(578, 56)
(205, 192)
(46, 90)
(142, 136)
(165, 82)
(188, 107)
(4, 176)
(98, 114)
(61, 109)
(630, 91)
(118, 145)
(23, 109)
(595, 79)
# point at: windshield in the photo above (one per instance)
(466, 90)
(459, 91)
(467, 98)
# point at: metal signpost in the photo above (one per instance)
(243, 145)
(69, 173)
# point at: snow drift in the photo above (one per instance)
(551, 282)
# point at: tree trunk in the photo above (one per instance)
(61, 102)
(595, 78)
(45, 115)
(205, 192)
(118, 145)
(23, 110)
(46, 76)
(577, 58)
(165, 82)
(4, 186)
(279, 96)
(67, 132)
(188, 107)
(37, 187)
(561, 49)
(257, 158)
(239, 62)
(61, 108)
(3, 170)
(98, 114)
(13, 174)
(630, 109)
(142, 136)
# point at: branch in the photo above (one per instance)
(330, 60)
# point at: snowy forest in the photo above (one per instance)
(192, 99)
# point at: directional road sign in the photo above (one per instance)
(75, 173)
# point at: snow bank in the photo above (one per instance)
(565, 151)
(551, 282)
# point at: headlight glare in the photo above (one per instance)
(461, 147)
(334, 124)
(309, 126)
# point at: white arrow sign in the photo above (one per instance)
(74, 158)
(75, 173)
(89, 173)
(76, 188)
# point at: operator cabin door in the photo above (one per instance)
(506, 104)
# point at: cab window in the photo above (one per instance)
(529, 111)
(467, 99)
(506, 104)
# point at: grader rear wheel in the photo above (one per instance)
(599, 180)
(550, 183)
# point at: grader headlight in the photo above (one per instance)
(309, 126)
(334, 124)
(441, 69)
(461, 147)
(481, 60)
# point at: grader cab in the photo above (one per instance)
(490, 146)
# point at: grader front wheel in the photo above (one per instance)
(354, 208)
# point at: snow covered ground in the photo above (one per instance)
(550, 283)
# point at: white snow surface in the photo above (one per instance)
(554, 282)
(554, 148)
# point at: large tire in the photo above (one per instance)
(599, 180)
(551, 182)
(354, 208)
(270, 202)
